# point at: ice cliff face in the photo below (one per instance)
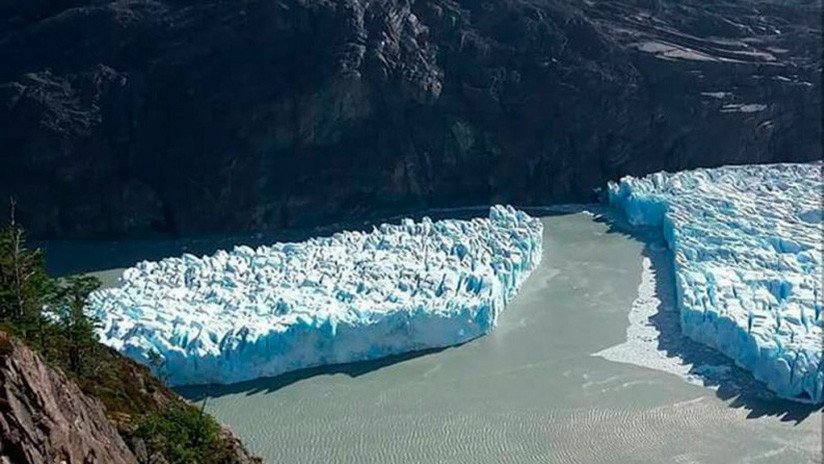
(247, 313)
(747, 252)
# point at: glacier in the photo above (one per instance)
(247, 313)
(746, 245)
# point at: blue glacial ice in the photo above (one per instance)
(747, 256)
(248, 313)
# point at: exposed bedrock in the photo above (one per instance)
(46, 419)
(139, 117)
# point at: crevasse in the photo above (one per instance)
(247, 313)
(747, 254)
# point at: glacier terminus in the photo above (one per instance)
(247, 313)
(746, 255)
(746, 244)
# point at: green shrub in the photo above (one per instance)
(183, 435)
(49, 314)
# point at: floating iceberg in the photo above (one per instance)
(248, 313)
(747, 255)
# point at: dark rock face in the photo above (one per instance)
(46, 419)
(136, 117)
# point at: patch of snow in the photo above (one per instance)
(247, 313)
(743, 108)
(718, 95)
(667, 50)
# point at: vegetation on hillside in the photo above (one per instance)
(49, 314)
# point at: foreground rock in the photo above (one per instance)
(747, 254)
(46, 419)
(169, 115)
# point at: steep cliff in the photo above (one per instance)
(144, 116)
(46, 419)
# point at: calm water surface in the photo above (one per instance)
(531, 391)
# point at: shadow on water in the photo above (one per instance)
(732, 384)
(272, 384)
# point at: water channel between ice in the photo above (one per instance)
(586, 365)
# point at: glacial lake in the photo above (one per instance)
(551, 384)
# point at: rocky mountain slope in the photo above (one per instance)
(134, 117)
(46, 419)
